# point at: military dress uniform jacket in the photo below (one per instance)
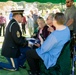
(13, 40)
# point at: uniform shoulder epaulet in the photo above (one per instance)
(11, 26)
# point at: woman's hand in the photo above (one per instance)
(50, 29)
(37, 44)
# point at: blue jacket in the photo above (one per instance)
(52, 46)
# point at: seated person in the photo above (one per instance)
(46, 30)
(51, 48)
(42, 32)
(49, 22)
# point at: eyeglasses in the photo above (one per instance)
(68, 1)
(49, 19)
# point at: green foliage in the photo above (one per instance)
(44, 6)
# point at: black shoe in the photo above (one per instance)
(30, 73)
(1, 68)
(34, 73)
(24, 67)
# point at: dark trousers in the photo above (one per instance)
(33, 60)
(2, 26)
(71, 33)
(22, 57)
(12, 64)
(72, 43)
(23, 29)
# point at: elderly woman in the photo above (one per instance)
(51, 48)
(49, 22)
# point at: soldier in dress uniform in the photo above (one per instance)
(13, 42)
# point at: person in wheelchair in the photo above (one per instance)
(51, 48)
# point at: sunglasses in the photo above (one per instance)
(68, 1)
(47, 19)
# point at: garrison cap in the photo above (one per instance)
(14, 12)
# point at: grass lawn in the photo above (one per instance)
(20, 72)
(6, 72)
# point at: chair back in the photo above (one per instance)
(63, 64)
(64, 60)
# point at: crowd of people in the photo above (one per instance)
(51, 34)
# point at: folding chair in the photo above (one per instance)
(74, 54)
(63, 64)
